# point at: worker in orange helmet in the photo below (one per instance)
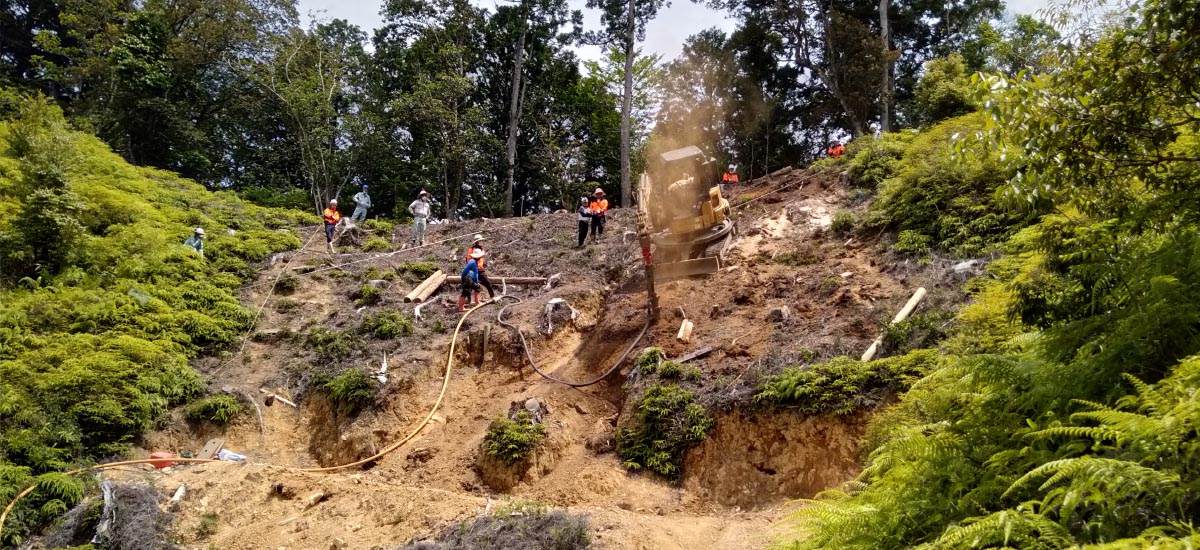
(470, 280)
(599, 208)
(836, 149)
(332, 217)
(477, 246)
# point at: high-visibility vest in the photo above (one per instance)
(599, 206)
(729, 178)
(332, 216)
(481, 261)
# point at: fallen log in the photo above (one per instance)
(900, 317)
(411, 296)
(433, 284)
(780, 172)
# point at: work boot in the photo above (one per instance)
(462, 303)
(476, 298)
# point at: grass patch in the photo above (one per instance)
(843, 222)
(330, 346)
(287, 284)
(415, 272)
(843, 385)
(511, 441)
(376, 244)
(367, 295)
(387, 326)
(666, 421)
(208, 525)
(219, 409)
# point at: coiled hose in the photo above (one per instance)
(532, 363)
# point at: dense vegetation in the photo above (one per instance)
(665, 420)
(101, 305)
(513, 525)
(512, 440)
(1065, 413)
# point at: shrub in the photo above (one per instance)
(329, 346)
(843, 222)
(947, 197)
(386, 326)
(871, 161)
(666, 421)
(912, 243)
(368, 294)
(415, 272)
(511, 441)
(208, 525)
(287, 284)
(376, 244)
(351, 391)
(647, 362)
(843, 385)
(381, 227)
(219, 409)
(922, 330)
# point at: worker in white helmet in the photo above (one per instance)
(196, 241)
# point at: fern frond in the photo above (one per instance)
(1098, 474)
(1097, 433)
(1147, 396)
(1015, 528)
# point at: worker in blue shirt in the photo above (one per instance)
(470, 280)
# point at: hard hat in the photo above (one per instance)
(332, 201)
(364, 186)
(423, 193)
(598, 191)
(199, 231)
(477, 254)
(583, 200)
(478, 237)
(732, 167)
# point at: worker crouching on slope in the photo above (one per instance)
(477, 246)
(332, 217)
(196, 241)
(470, 280)
(729, 179)
(584, 214)
(599, 209)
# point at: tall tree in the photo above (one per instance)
(885, 118)
(637, 84)
(625, 25)
(308, 76)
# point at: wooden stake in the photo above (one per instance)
(900, 317)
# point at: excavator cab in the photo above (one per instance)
(685, 212)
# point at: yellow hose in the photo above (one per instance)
(389, 449)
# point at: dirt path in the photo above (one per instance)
(783, 257)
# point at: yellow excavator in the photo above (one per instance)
(683, 214)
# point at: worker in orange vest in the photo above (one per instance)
(836, 149)
(599, 208)
(728, 179)
(477, 248)
(470, 279)
(332, 217)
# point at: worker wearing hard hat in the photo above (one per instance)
(196, 241)
(362, 203)
(470, 280)
(729, 179)
(836, 149)
(477, 248)
(332, 217)
(420, 213)
(599, 208)
(584, 215)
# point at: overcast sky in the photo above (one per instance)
(665, 35)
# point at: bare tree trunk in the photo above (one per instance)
(514, 116)
(829, 76)
(626, 111)
(885, 122)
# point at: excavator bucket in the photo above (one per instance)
(687, 268)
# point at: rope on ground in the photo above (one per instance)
(377, 456)
(263, 305)
(792, 183)
(529, 356)
(382, 255)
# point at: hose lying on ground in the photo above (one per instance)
(441, 395)
(529, 356)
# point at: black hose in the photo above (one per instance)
(529, 356)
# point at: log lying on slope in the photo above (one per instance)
(434, 283)
(412, 296)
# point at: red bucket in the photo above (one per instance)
(163, 463)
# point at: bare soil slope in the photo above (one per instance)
(736, 484)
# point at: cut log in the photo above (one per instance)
(430, 287)
(900, 317)
(411, 296)
(780, 172)
(685, 331)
